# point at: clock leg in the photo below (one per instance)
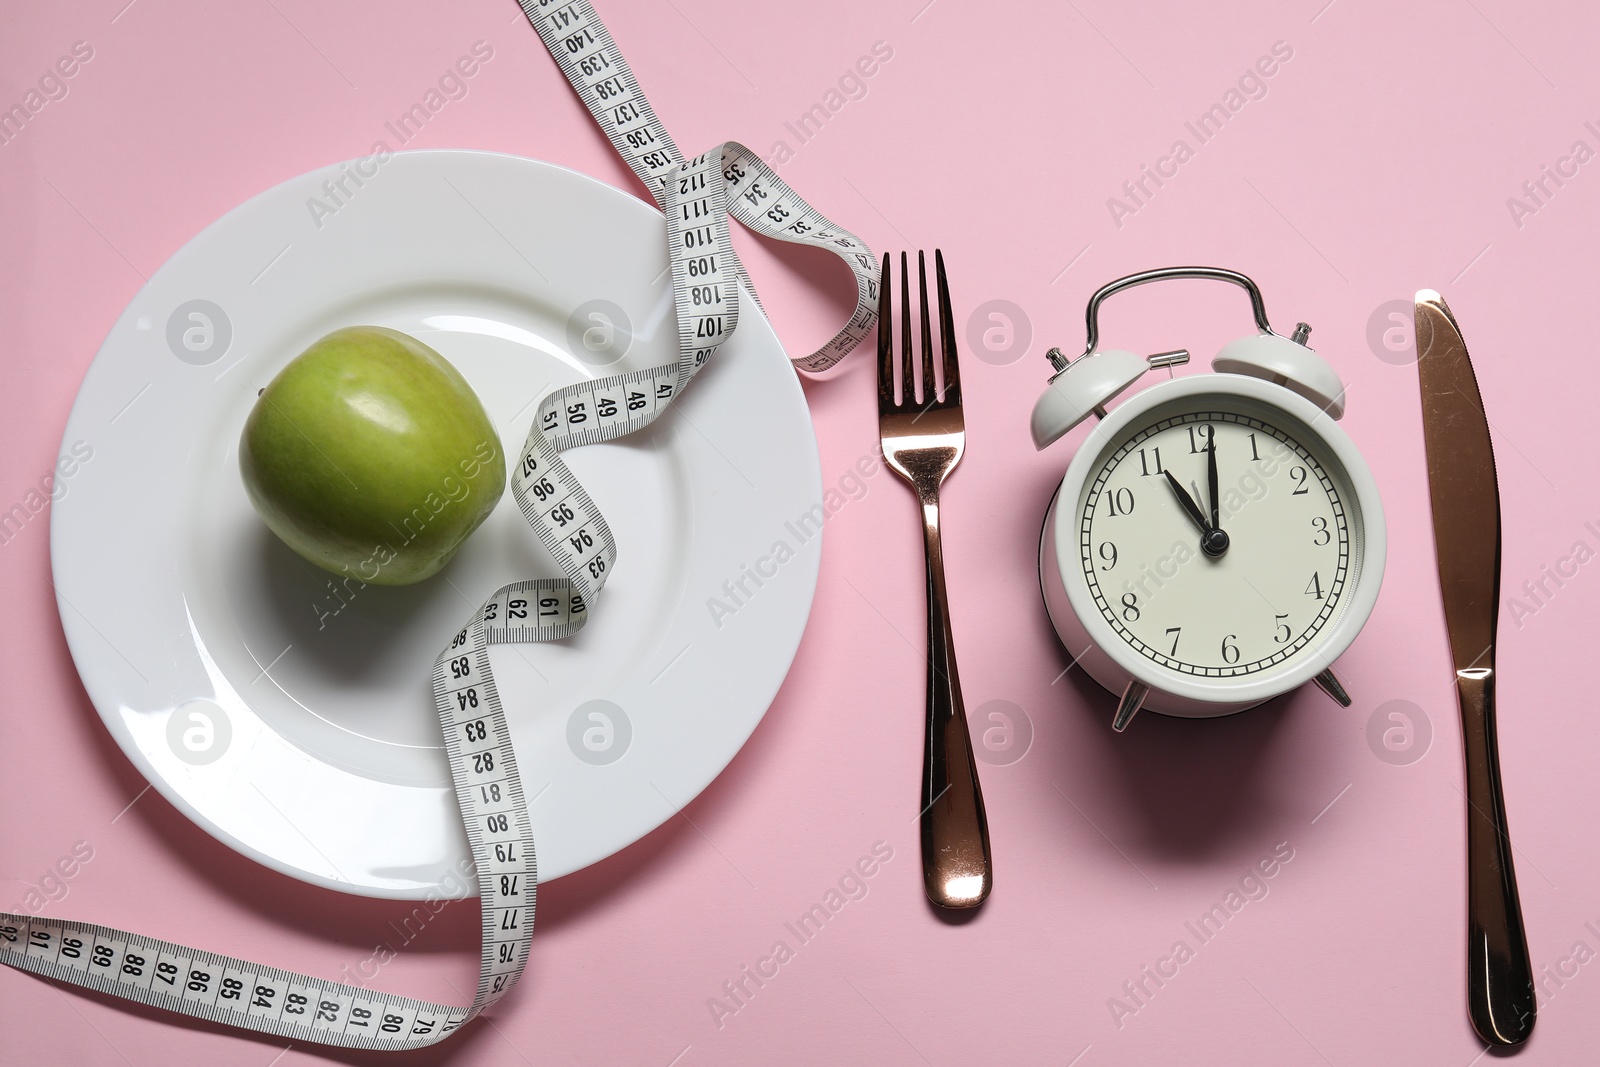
(1128, 706)
(1329, 683)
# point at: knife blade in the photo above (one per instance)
(1465, 496)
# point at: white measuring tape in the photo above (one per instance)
(696, 197)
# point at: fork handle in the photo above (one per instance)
(956, 869)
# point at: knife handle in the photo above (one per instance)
(1500, 995)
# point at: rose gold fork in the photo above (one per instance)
(922, 442)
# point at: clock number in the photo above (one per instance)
(1108, 552)
(1253, 453)
(1314, 586)
(1322, 536)
(1121, 502)
(1299, 476)
(1130, 607)
(1175, 631)
(1199, 442)
(1230, 651)
(1282, 631)
(1144, 462)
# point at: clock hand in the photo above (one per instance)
(1211, 478)
(1188, 504)
(1213, 541)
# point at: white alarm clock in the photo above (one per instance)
(1217, 539)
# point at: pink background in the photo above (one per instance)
(1379, 161)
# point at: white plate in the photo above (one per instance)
(305, 736)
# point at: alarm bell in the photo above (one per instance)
(1082, 387)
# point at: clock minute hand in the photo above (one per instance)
(1211, 479)
(1188, 503)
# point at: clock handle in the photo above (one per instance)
(1258, 307)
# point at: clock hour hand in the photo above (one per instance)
(1213, 542)
(1188, 503)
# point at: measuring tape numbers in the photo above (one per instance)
(696, 196)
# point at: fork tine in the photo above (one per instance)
(947, 334)
(928, 393)
(885, 341)
(908, 380)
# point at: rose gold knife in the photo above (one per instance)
(1466, 535)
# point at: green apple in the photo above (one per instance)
(371, 456)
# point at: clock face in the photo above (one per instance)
(1226, 586)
